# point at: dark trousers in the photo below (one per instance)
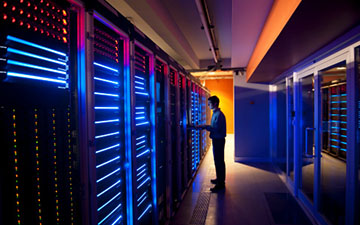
(218, 151)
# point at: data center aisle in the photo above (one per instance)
(254, 195)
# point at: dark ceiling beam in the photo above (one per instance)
(313, 25)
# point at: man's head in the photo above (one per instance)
(213, 102)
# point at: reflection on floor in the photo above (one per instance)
(332, 187)
(254, 195)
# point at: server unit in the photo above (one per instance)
(106, 123)
(143, 136)
(38, 173)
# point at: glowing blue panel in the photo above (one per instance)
(149, 206)
(107, 81)
(16, 63)
(106, 107)
(107, 189)
(34, 77)
(108, 148)
(109, 214)
(106, 67)
(107, 162)
(107, 135)
(108, 175)
(106, 94)
(19, 52)
(112, 199)
(11, 38)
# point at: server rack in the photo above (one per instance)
(38, 173)
(183, 133)
(335, 112)
(106, 124)
(143, 136)
(195, 134)
(162, 129)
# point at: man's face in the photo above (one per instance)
(211, 105)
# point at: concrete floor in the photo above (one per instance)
(244, 199)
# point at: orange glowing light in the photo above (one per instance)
(64, 22)
(65, 40)
(21, 11)
(5, 4)
(64, 31)
(4, 16)
(64, 13)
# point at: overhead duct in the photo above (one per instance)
(208, 28)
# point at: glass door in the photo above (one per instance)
(290, 127)
(306, 134)
(334, 142)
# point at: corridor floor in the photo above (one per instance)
(254, 195)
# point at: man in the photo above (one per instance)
(217, 134)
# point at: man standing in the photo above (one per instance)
(217, 134)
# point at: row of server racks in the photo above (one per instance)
(94, 118)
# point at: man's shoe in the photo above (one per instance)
(217, 188)
(213, 181)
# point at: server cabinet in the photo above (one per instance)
(335, 114)
(203, 121)
(161, 73)
(183, 133)
(106, 124)
(174, 138)
(143, 136)
(38, 166)
(195, 134)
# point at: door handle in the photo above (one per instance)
(306, 155)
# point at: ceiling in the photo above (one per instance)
(240, 27)
(175, 26)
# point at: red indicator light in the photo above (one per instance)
(41, 1)
(41, 11)
(13, 8)
(53, 16)
(64, 22)
(64, 31)
(28, 15)
(53, 35)
(35, 28)
(28, 26)
(4, 16)
(47, 24)
(53, 26)
(21, 1)
(58, 29)
(41, 31)
(47, 14)
(58, 37)
(53, 7)
(21, 11)
(47, 4)
(64, 13)
(35, 18)
(5, 4)
(28, 4)
(13, 20)
(21, 23)
(58, 10)
(41, 21)
(47, 33)
(64, 39)
(35, 7)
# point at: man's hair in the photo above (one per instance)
(214, 100)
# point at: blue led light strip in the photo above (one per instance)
(143, 153)
(141, 137)
(142, 196)
(106, 94)
(149, 206)
(141, 78)
(143, 183)
(141, 177)
(109, 214)
(19, 52)
(34, 77)
(18, 40)
(107, 135)
(106, 176)
(107, 162)
(118, 194)
(144, 123)
(142, 171)
(107, 81)
(140, 167)
(106, 107)
(116, 220)
(106, 67)
(108, 148)
(32, 66)
(107, 121)
(139, 204)
(107, 189)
